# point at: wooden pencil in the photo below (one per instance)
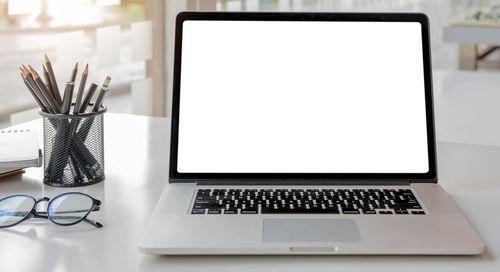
(50, 98)
(37, 90)
(73, 74)
(48, 83)
(79, 95)
(32, 92)
(53, 81)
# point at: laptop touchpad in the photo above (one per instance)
(310, 230)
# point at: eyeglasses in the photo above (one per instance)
(65, 210)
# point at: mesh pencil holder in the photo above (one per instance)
(73, 148)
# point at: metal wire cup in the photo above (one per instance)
(73, 148)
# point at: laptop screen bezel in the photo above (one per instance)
(303, 178)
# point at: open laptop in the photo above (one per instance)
(304, 133)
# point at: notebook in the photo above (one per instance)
(7, 172)
(19, 149)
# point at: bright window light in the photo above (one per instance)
(103, 3)
(24, 6)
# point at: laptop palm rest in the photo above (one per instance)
(310, 230)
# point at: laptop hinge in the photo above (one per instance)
(303, 183)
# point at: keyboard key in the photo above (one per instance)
(401, 212)
(249, 211)
(231, 211)
(350, 211)
(198, 211)
(331, 210)
(214, 211)
(265, 210)
(199, 206)
(385, 212)
(315, 210)
(417, 212)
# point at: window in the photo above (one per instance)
(120, 38)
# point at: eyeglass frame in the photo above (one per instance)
(96, 205)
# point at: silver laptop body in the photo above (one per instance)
(304, 133)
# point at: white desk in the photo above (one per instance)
(136, 151)
(467, 107)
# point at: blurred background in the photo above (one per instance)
(132, 41)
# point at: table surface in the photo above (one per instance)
(136, 155)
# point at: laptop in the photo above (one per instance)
(304, 133)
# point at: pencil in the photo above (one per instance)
(87, 124)
(47, 81)
(32, 92)
(37, 90)
(73, 74)
(63, 138)
(70, 131)
(74, 123)
(53, 81)
(102, 93)
(79, 95)
(50, 98)
(68, 94)
(88, 97)
(44, 104)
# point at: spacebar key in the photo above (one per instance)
(272, 210)
(297, 210)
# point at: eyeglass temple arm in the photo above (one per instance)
(90, 221)
(93, 222)
(95, 207)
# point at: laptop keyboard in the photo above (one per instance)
(306, 201)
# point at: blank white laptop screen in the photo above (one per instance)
(302, 97)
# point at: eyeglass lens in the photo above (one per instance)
(14, 209)
(69, 208)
